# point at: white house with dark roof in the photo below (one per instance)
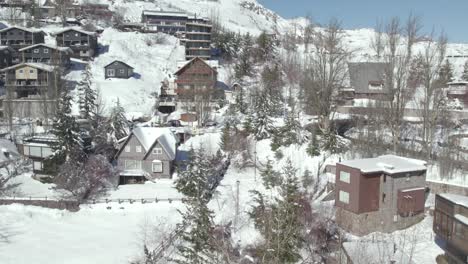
(148, 153)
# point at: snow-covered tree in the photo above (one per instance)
(279, 221)
(241, 105)
(86, 178)
(272, 82)
(65, 128)
(270, 177)
(88, 95)
(445, 74)
(465, 72)
(118, 122)
(225, 143)
(262, 124)
(266, 46)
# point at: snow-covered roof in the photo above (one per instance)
(64, 49)
(456, 199)
(149, 135)
(389, 164)
(75, 29)
(164, 13)
(457, 83)
(462, 219)
(375, 252)
(7, 146)
(31, 30)
(36, 65)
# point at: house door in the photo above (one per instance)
(111, 72)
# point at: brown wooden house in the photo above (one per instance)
(451, 225)
(379, 194)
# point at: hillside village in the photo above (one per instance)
(216, 131)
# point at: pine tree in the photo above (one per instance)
(225, 143)
(241, 105)
(65, 128)
(313, 148)
(272, 84)
(307, 180)
(248, 123)
(270, 177)
(292, 130)
(194, 184)
(445, 75)
(465, 72)
(266, 47)
(118, 122)
(243, 67)
(88, 96)
(262, 123)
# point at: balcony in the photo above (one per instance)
(457, 90)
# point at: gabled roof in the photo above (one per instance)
(75, 29)
(389, 164)
(120, 62)
(63, 49)
(31, 30)
(36, 65)
(190, 62)
(149, 136)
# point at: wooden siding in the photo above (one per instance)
(118, 67)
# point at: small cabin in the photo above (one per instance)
(118, 69)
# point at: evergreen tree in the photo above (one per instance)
(445, 75)
(313, 148)
(262, 123)
(118, 122)
(193, 182)
(88, 96)
(243, 67)
(65, 128)
(241, 105)
(273, 84)
(307, 180)
(465, 72)
(270, 177)
(292, 130)
(225, 143)
(266, 47)
(248, 123)
(279, 221)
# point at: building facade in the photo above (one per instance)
(148, 153)
(458, 91)
(31, 90)
(198, 39)
(18, 37)
(118, 69)
(47, 54)
(166, 22)
(383, 194)
(366, 81)
(451, 225)
(83, 43)
(37, 149)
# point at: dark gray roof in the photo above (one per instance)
(119, 62)
(362, 73)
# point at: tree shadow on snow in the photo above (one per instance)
(6, 234)
(136, 75)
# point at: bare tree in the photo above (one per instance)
(62, 7)
(432, 103)
(397, 74)
(325, 73)
(377, 41)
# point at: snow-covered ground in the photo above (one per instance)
(94, 235)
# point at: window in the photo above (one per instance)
(46, 50)
(36, 50)
(122, 71)
(77, 34)
(35, 151)
(344, 176)
(111, 72)
(157, 151)
(46, 152)
(37, 165)
(383, 197)
(138, 148)
(157, 166)
(26, 150)
(385, 178)
(31, 71)
(20, 71)
(127, 148)
(133, 164)
(344, 197)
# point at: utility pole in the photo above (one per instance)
(236, 219)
